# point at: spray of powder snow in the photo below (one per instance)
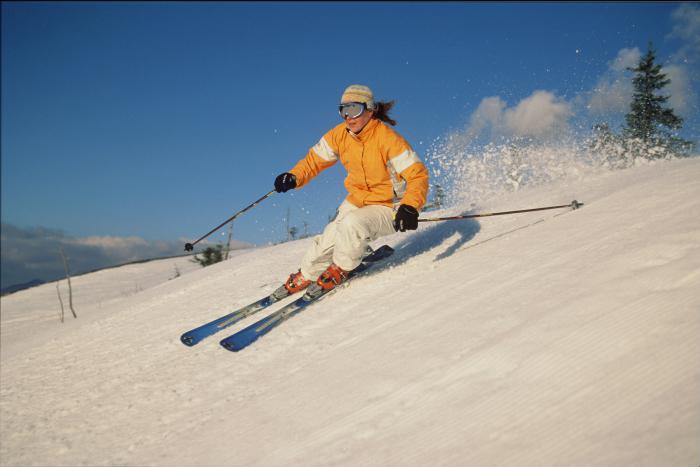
(469, 173)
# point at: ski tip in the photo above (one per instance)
(187, 340)
(230, 346)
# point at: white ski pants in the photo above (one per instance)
(345, 239)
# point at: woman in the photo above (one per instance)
(383, 172)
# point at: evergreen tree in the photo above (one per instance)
(293, 231)
(648, 121)
(439, 197)
(211, 255)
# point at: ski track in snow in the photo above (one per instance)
(550, 338)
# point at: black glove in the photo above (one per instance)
(285, 182)
(406, 218)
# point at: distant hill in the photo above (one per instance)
(17, 287)
(34, 282)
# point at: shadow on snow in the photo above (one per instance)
(428, 238)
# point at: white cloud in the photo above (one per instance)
(626, 58)
(682, 98)
(683, 67)
(613, 92)
(120, 248)
(539, 115)
(686, 28)
(488, 114)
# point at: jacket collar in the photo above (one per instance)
(366, 132)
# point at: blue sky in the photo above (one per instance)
(154, 122)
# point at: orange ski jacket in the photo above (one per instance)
(382, 167)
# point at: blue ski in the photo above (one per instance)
(195, 335)
(247, 336)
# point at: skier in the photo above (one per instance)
(387, 185)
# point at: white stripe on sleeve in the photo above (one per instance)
(404, 160)
(325, 151)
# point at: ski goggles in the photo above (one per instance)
(352, 109)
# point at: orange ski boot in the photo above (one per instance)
(296, 283)
(332, 277)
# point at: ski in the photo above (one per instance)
(247, 336)
(195, 335)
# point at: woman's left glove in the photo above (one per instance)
(406, 218)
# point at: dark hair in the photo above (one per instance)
(381, 112)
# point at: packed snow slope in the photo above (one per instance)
(542, 339)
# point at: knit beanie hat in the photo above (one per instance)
(358, 93)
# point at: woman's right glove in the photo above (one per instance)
(285, 182)
(406, 218)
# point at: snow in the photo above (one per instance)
(549, 338)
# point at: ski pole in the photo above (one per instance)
(190, 246)
(573, 205)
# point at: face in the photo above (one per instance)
(358, 123)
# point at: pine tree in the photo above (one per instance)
(647, 117)
(212, 255)
(439, 197)
(293, 231)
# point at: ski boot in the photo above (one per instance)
(295, 283)
(333, 276)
